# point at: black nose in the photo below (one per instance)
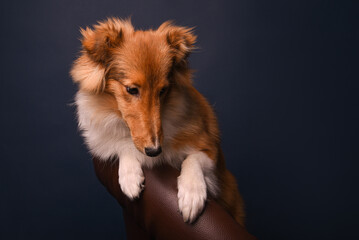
(153, 152)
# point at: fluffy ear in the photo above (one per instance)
(180, 39)
(105, 36)
(98, 43)
(87, 73)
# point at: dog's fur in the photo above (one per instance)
(163, 110)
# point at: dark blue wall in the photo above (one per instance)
(282, 76)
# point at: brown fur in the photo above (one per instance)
(115, 56)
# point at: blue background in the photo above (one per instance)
(281, 75)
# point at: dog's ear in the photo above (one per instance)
(180, 39)
(89, 75)
(98, 43)
(105, 36)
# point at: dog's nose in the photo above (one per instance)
(153, 152)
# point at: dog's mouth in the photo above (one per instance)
(150, 151)
(153, 152)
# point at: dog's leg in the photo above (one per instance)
(192, 190)
(130, 176)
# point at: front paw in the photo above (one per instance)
(192, 195)
(131, 183)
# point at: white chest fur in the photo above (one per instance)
(107, 135)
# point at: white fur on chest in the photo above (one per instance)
(107, 135)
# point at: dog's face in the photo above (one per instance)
(139, 69)
(138, 78)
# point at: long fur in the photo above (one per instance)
(167, 112)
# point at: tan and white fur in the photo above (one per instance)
(136, 103)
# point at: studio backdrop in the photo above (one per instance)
(282, 77)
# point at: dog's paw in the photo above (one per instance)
(192, 195)
(131, 184)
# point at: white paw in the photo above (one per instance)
(131, 183)
(192, 195)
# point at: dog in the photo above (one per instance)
(136, 102)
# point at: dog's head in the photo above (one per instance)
(139, 68)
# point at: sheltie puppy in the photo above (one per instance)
(136, 102)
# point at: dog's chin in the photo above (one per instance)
(141, 150)
(153, 156)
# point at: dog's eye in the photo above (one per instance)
(132, 91)
(163, 90)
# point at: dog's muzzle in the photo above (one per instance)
(153, 152)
